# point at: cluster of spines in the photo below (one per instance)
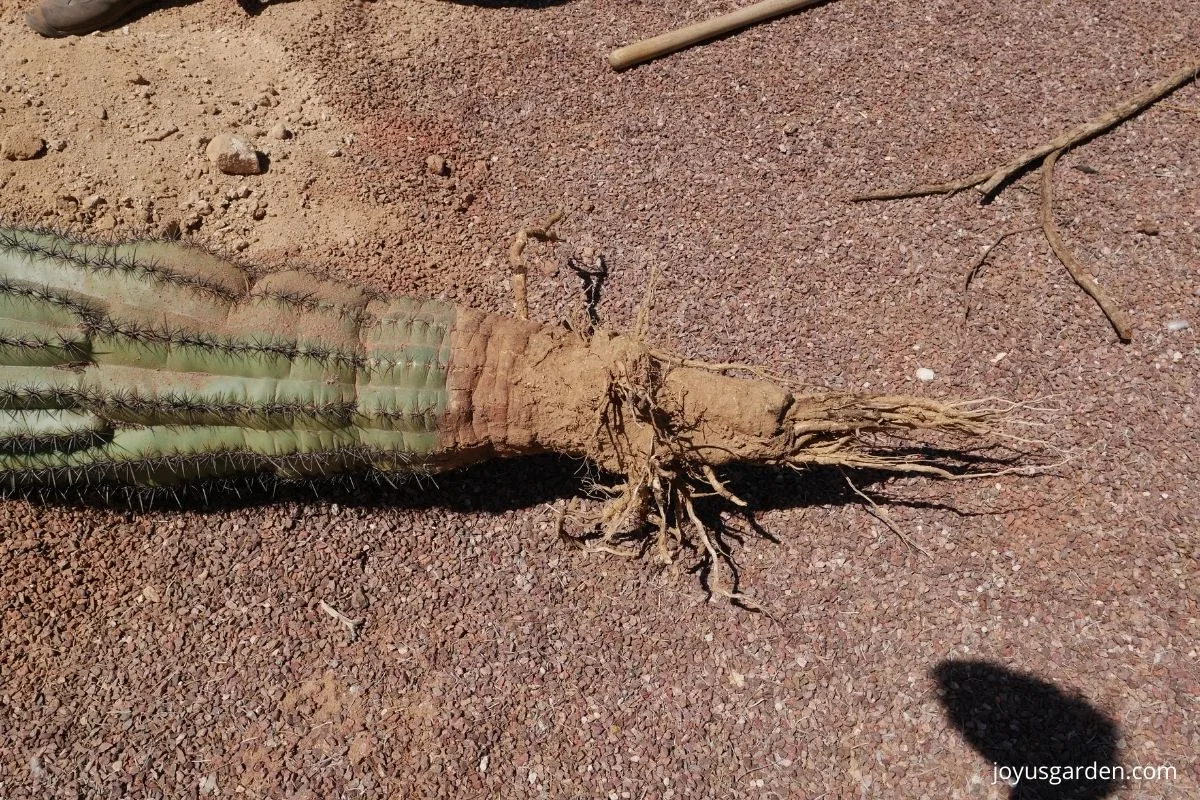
(287, 349)
(184, 409)
(216, 463)
(70, 347)
(106, 259)
(250, 487)
(30, 444)
(170, 409)
(235, 347)
(73, 305)
(309, 302)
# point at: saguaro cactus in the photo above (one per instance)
(149, 364)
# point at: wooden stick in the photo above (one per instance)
(991, 179)
(1116, 316)
(663, 44)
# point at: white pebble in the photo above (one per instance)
(1176, 325)
(925, 374)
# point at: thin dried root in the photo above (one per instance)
(884, 517)
(1116, 315)
(516, 260)
(352, 626)
(991, 179)
(977, 267)
(719, 487)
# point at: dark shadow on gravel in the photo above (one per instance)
(507, 485)
(255, 7)
(1022, 724)
(534, 4)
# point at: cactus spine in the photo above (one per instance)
(152, 363)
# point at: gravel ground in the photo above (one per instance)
(1053, 620)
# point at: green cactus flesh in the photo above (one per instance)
(152, 363)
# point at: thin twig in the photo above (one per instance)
(1116, 316)
(516, 260)
(883, 517)
(351, 625)
(991, 179)
(975, 269)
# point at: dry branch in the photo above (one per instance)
(1118, 318)
(664, 44)
(989, 180)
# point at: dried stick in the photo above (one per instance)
(977, 267)
(991, 179)
(884, 517)
(1116, 316)
(516, 260)
(664, 44)
(351, 625)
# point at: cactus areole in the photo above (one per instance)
(151, 364)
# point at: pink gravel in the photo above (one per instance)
(185, 653)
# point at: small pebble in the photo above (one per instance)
(1177, 325)
(436, 165)
(925, 374)
(234, 155)
(280, 131)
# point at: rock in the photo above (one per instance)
(21, 145)
(280, 131)
(334, 153)
(137, 79)
(1148, 229)
(925, 374)
(234, 155)
(1177, 325)
(436, 165)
